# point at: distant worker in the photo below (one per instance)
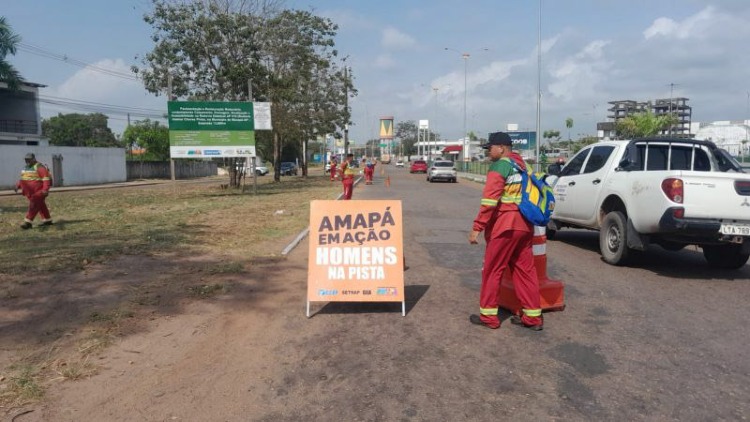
(347, 176)
(34, 185)
(508, 237)
(369, 172)
(332, 168)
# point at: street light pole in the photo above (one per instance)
(465, 56)
(539, 86)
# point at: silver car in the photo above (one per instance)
(442, 170)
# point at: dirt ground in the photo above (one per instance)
(250, 353)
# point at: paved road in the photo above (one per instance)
(664, 338)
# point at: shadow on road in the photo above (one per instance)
(687, 264)
(412, 293)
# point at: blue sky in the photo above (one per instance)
(593, 52)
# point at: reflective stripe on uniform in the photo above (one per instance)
(539, 249)
(540, 231)
(532, 312)
(489, 311)
(489, 202)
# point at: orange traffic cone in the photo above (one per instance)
(551, 291)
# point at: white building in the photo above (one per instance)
(727, 135)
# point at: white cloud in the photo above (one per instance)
(694, 26)
(90, 85)
(385, 61)
(397, 40)
(579, 75)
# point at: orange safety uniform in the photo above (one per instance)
(34, 184)
(347, 179)
(509, 244)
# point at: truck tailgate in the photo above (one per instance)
(724, 196)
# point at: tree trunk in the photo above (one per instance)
(276, 157)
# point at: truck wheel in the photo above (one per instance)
(728, 257)
(550, 234)
(613, 241)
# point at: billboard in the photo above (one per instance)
(205, 129)
(523, 140)
(386, 127)
(356, 251)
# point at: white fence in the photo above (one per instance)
(71, 166)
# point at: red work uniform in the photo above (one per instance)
(369, 171)
(347, 179)
(332, 170)
(509, 238)
(35, 184)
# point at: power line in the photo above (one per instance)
(42, 52)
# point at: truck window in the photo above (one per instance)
(598, 158)
(702, 162)
(574, 166)
(657, 157)
(682, 157)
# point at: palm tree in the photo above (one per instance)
(569, 125)
(8, 43)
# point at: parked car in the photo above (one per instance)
(288, 169)
(400, 163)
(418, 166)
(442, 170)
(261, 170)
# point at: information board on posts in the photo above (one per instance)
(205, 129)
(356, 252)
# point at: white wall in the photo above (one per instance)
(81, 166)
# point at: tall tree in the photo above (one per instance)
(79, 130)
(214, 49)
(407, 132)
(151, 136)
(639, 125)
(569, 125)
(8, 43)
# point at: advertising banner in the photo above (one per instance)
(211, 129)
(523, 140)
(386, 127)
(356, 252)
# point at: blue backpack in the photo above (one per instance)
(537, 200)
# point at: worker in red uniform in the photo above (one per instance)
(347, 176)
(34, 185)
(369, 172)
(332, 170)
(508, 237)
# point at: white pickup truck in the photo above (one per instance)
(670, 192)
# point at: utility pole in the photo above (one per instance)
(539, 86)
(671, 95)
(346, 111)
(255, 157)
(169, 98)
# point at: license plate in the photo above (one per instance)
(735, 229)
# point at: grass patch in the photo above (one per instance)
(95, 342)
(207, 290)
(93, 226)
(22, 387)
(73, 371)
(226, 268)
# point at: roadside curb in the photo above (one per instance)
(293, 244)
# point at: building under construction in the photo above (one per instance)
(660, 107)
